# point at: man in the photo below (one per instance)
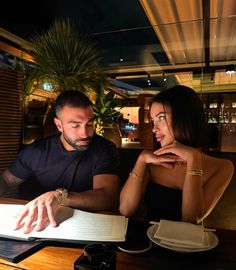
(76, 168)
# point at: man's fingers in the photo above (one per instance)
(30, 221)
(20, 220)
(38, 214)
(51, 215)
(40, 218)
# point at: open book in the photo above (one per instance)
(74, 226)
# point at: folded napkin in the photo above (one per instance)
(181, 234)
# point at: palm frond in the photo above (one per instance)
(66, 55)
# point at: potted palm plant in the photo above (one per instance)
(106, 110)
(65, 58)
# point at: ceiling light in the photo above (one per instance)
(164, 76)
(230, 69)
(149, 79)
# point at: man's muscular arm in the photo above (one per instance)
(7, 180)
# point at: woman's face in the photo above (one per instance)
(162, 126)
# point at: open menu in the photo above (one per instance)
(73, 226)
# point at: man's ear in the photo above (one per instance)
(58, 124)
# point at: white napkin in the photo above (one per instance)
(181, 234)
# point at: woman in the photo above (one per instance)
(178, 181)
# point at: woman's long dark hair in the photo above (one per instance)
(188, 118)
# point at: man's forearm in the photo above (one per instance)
(8, 180)
(93, 200)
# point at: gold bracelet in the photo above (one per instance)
(64, 194)
(134, 175)
(195, 172)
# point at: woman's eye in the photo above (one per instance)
(161, 118)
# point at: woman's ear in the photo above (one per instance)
(58, 124)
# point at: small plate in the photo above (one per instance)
(213, 240)
(136, 251)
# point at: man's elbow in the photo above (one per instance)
(111, 201)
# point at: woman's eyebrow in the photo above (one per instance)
(159, 114)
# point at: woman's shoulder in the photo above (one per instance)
(216, 163)
(212, 159)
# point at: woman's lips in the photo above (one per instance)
(159, 138)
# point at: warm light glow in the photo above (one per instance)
(179, 28)
(230, 70)
(130, 113)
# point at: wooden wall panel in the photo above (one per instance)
(10, 115)
(146, 136)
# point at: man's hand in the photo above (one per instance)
(39, 213)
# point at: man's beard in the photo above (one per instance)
(76, 143)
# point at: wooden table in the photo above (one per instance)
(223, 257)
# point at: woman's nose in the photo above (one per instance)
(155, 127)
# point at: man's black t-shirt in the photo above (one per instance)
(47, 165)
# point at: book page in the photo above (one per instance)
(9, 214)
(73, 225)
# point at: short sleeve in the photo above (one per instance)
(22, 166)
(108, 160)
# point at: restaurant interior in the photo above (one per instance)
(146, 47)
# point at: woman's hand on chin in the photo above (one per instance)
(180, 152)
(167, 161)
